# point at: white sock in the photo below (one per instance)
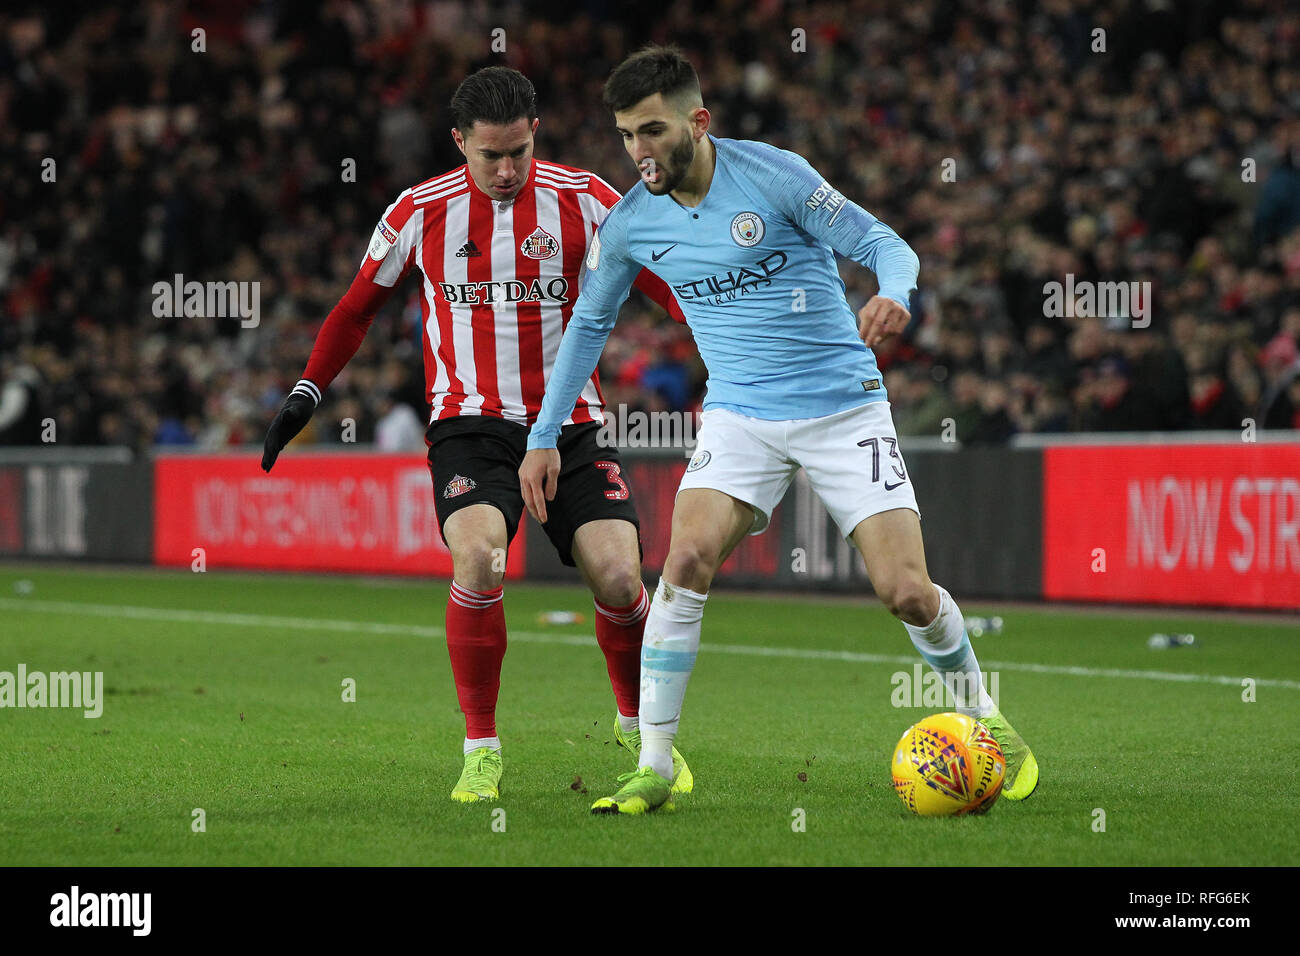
(628, 724)
(493, 742)
(946, 647)
(668, 650)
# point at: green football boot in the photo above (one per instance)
(683, 779)
(481, 778)
(1022, 769)
(642, 791)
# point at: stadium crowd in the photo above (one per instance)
(1000, 139)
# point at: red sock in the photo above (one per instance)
(618, 632)
(476, 641)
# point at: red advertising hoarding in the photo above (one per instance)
(11, 510)
(342, 512)
(1174, 524)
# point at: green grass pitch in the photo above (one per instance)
(224, 692)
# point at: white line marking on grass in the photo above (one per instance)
(183, 616)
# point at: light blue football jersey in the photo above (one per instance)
(753, 267)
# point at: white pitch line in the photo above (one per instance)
(183, 616)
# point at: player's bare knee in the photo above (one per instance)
(478, 564)
(885, 592)
(691, 566)
(618, 583)
(910, 599)
(615, 576)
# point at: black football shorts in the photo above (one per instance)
(474, 459)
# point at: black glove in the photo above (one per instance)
(289, 421)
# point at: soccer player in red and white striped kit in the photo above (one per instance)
(500, 243)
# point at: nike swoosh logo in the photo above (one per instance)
(656, 256)
(889, 487)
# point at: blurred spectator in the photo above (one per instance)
(1113, 402)
(1214, 403)
(1161, 369)
(968, 414)
(398, 428)
(1280, 361)
(1278, 212)
(920, 404)
(1242, 375)
(20, 409)
(994, 424)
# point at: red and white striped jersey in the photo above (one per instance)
(499, 281)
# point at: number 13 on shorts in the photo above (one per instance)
(896, 460)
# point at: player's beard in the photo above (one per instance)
(679, 162)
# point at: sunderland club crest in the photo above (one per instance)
(458, 485)
(540, 245)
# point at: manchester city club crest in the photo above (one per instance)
(747, 229)
(699, 461)
(540, 245)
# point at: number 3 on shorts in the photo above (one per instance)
(620, 492)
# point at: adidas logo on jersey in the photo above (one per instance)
(468, 250)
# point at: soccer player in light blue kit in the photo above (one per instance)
(745, 235)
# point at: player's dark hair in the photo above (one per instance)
(651, 70)
(494, 94)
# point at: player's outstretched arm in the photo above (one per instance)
(882, 251)
(866, 240)
(576, 359)
(605, 286)
(292, 417)
(822, 211)
(337, 341)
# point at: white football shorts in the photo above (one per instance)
(851, 458)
